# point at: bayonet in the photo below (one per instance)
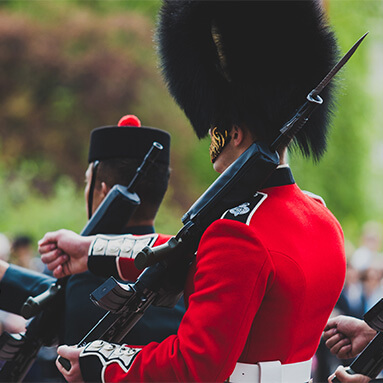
(337, 67)
(292, 127)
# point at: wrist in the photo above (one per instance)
(85, 244)
(369, 333)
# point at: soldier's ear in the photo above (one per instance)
(236, 135)
(104, 189)
(241, 136)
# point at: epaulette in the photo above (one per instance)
(244, 212)
(314, 196)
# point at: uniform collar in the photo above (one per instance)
(280, 177)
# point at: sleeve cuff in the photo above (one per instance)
(114, 255)
(98, 355)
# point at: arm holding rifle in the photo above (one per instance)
(346, 336)
(65, 252)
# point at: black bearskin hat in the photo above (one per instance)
(248, 63)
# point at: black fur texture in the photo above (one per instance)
(265, 58)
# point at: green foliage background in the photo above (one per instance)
(67, 67)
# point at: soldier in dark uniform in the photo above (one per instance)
(114, 155)
(119, 151)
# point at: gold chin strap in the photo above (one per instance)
(218, 141)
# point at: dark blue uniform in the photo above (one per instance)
(80, 313)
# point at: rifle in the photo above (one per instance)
(20, 350)
(166, 266)
(162, 283)
(370, 360)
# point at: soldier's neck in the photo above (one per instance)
(134, 224)
(283, 156)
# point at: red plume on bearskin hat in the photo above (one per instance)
(248, 63)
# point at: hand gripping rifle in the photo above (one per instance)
(18, 351)
(166, 266)
(370, 360)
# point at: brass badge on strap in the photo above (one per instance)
(218, 141)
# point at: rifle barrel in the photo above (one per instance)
(149, 159)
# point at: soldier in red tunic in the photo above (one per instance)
(267, 275)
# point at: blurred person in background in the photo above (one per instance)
(23, 254)
(352, 300)
(372, 285)
(370, 246)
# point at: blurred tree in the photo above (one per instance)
(24, 210)
(63, 72)
(58, 83)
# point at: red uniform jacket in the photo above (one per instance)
(265, 280)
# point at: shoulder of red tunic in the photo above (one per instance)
(232, 265)
(232, 234)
